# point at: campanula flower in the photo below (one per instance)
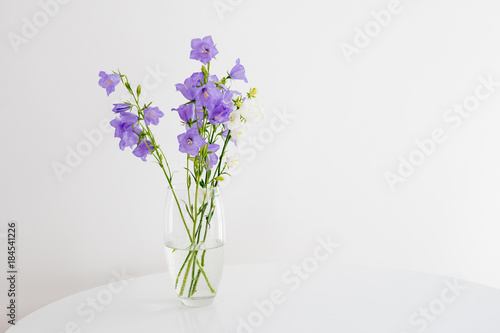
(108, 81)
(130, 138)
(191, 142)
(234, 120)
(123, 123)
(152, 115)
(186, 112)
(121, 107)
(239, 134)
(208, 95)
(219, 114)
(203, 49)
(188, 88)
(233, 161)
(238, 72)
(253, 110)
(143, 149)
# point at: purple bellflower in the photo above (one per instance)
(126, 130)
(121, 107)
(219, 114)
(208, 95)
(188, 88)
(186, 112)
(143, 149)
(130, 138)
(191, 142)
(123, 123)
(238, 72)
(152, 115)
(203, 49)
(108, 81)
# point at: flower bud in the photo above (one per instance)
(238, 103)
(139, 88)
(204, 70)
(253, 92)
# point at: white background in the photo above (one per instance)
(321, 173)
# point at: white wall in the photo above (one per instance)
(322, 173)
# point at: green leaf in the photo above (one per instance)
(202, 209)
(188, 210)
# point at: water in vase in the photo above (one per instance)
(195, 270)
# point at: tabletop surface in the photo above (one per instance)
(280, 298)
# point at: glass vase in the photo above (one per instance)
(194, 242)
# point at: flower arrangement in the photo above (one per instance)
(213, 116)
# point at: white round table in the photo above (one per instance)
(280, 298)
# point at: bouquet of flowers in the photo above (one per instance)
(213, 116)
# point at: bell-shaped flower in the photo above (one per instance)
(253, 110)
(188, 88)
(208, 95)
(143, 149)
(121, 107)
(234, 120)
(238, 72)
(203, 49)
(123, 123)
(152, 115)
(186, 112)
(109, 81)
(191, 142)
(219, 114)
(130, 138)
(233, 161)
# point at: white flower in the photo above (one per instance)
(234, 120)
(239, 134)
(233, 161)
(253, 110)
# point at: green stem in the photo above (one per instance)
(217, 170)
(205, 276)
(191, 287)
(195, 210)
(200, 268)
(182, 267)
(184, 280)
(195, 282)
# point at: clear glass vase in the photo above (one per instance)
(194, 242)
